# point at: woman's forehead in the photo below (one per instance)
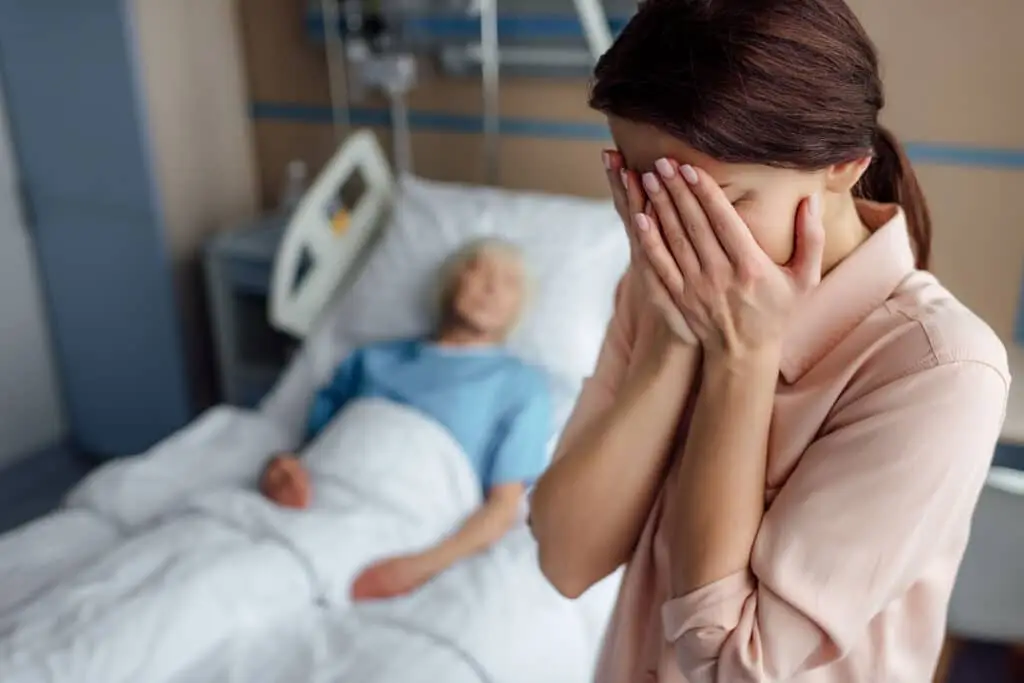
(642, 144)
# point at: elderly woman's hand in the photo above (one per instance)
(286, 482)
(394, 577)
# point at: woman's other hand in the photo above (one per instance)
(734, 298)
(630, 202)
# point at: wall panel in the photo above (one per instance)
(979, 241)
(952, 71)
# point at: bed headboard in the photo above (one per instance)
(326, 239)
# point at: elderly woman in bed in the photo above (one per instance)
(495, 406)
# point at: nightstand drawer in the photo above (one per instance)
(253, 384)
(248, 276)
(250, 352)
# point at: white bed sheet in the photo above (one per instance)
(395, 643)
(317, 646)
(35, 556)
(224, 447)
(492, 614)
(575, 267)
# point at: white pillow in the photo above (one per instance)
(575, 250)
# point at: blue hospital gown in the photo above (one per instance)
(494, 405)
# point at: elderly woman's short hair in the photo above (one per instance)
(455, 264)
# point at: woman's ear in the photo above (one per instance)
(843, 176)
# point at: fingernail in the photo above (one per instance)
(607, 159)
(643, 223)
(814, 205)
(651, 183)
(665, 168)
(689, 174)
(624, 174)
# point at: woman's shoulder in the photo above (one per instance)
(947, 330)
(921, 328)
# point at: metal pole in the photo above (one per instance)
(490, 67)
(402, 138)
(337, 74)
(595, 26)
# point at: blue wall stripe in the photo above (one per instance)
(463, 27)
(951, 154)
(943, 154)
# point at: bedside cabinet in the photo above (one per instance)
(250, 353)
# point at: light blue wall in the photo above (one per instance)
(79, 134)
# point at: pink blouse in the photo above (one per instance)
(887, 412)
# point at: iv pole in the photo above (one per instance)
(337, 74)
(397, 78)
(490, 63)
(595, 26)
(598, 36)
(353, 67)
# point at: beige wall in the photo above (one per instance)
(952, 70)
(201, 139)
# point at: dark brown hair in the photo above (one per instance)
(786, 83)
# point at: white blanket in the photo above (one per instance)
(499, 613)
(489, 620)
(224, 562)
(386, 480)
(37, 555)
(224, 448)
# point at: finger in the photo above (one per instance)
(730, 231)
(693, 218)
(805, 266)
(624, 183)
(670, 308)
(613, 172)
(680, 246)
(634, 193)
(659, 258)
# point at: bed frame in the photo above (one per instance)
(325, 241)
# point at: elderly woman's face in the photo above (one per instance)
(489, 293)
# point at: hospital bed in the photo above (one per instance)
(347, 274)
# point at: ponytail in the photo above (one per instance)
(890, 179)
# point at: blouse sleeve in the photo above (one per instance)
(599, 389)
(859, 521)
